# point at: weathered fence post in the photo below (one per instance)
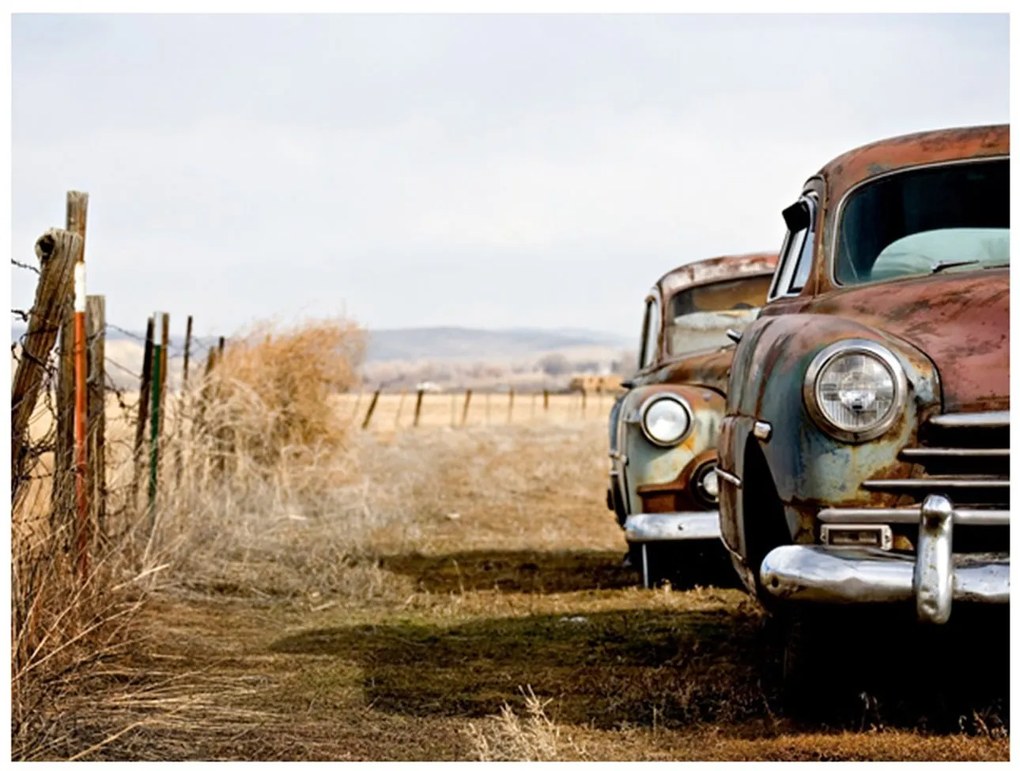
(584, 401)
(400, 407)
(467, 403)
(155, 418)
(187, 353)
(510, 407)
(143, 406)
(545, 399)
(417, 406)
(165, 363)
(371, 409)
(95, 319)
(57, 251)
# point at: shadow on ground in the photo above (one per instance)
(546, 572)
(527, 572)
(656, 668)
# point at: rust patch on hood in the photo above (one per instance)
(959, 320)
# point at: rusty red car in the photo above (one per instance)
(662, 431)
(864, 455)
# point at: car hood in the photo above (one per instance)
(959, 320)
(710, 369)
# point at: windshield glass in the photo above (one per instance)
(923, 221)
(699, 317)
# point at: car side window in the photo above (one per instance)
(649, 332)
(798, 248)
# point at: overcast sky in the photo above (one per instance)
(491, 171)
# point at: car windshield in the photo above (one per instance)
(699, 316)
(925, 221)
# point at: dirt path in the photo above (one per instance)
(623, 674)
(494, 620)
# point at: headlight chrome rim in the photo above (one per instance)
(845, 348)
(701, 485)
(651, 402)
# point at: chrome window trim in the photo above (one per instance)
(837, 221)
(854, 345)
(786, 268)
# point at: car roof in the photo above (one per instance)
(716, 269)
(922, 148)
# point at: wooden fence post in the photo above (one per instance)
(63, 441)
(155, 419)
(165, 362)
(584, 401)
(187, 353)
(57, 251)
(400, 407)
(545, 399)
(510, 407)
(417, 406)
(467, 403)
(95, 318)
(371, 409)
(143, 406)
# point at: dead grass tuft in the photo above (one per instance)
(269, 395)
(535, 737)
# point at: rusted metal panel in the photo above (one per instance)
(922, 148)
(716, 269)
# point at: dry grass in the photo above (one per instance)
(534, 738)
(440, 594)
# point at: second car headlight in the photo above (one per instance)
(665, 419)
(854, 389)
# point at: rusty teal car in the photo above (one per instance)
(662, 431)
(864, 455)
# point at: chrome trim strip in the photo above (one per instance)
(998, 419)
(934, 483)
(674, 526)
(954, 452)
(733, 479)
(910, 516)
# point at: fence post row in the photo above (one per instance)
(57, 251)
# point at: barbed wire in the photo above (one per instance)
(26, 266)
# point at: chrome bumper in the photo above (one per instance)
(674, 526)
(934, 577)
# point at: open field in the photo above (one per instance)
(459, 594)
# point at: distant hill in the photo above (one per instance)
(463, 344)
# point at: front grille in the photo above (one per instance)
(962, 456)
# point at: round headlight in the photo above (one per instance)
(855, 389)
(665, 419)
